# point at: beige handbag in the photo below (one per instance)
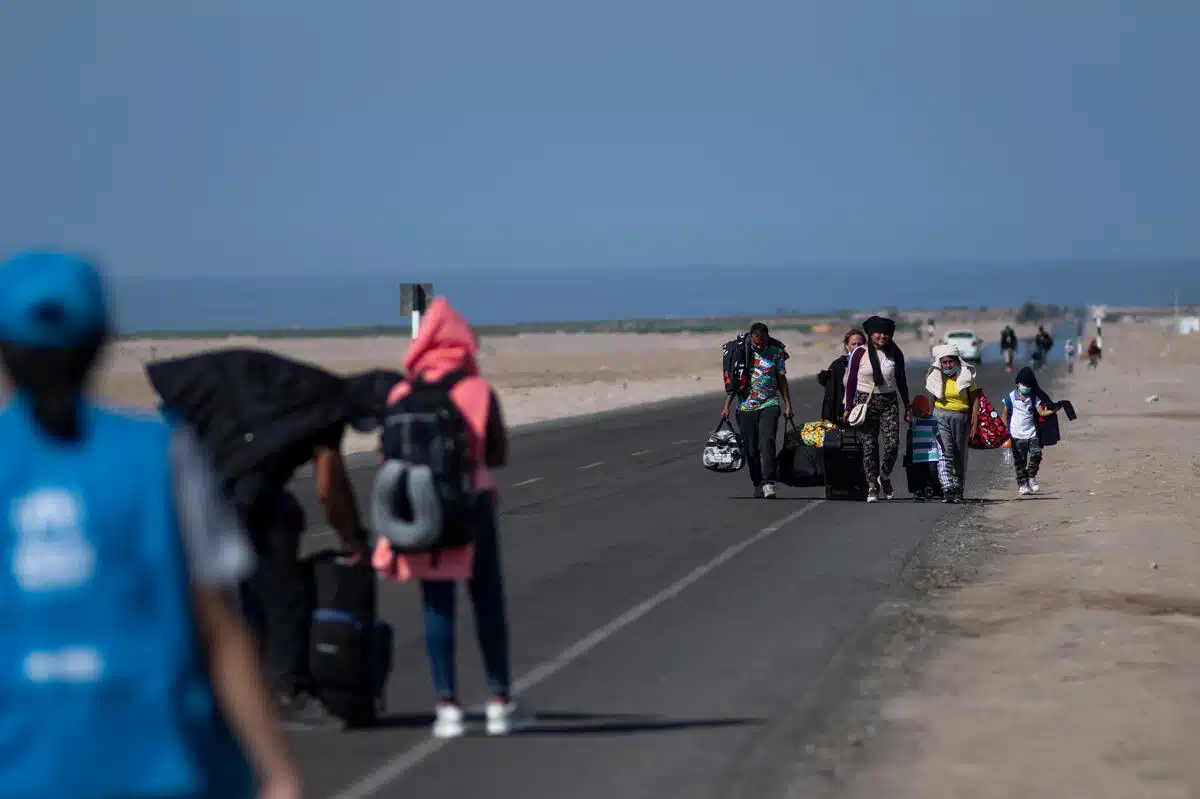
(858, 414)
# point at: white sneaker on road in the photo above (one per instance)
(1034, 487)
(449, 722)
(505, 718)
(768, 490)
(1022, 489)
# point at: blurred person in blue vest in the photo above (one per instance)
(124, 670)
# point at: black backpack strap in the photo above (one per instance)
(449, 381)
(446, 382)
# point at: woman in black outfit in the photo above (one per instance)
(834, 378)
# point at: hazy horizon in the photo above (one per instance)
(522, 296)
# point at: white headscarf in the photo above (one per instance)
(945, 351)
(935, 381)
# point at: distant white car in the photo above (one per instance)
(969, 344)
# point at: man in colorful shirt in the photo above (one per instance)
(759, 407)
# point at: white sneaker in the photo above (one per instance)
(1022, 489)
(1034, 487)
(768, 490)
(505, 718)
(449, 722)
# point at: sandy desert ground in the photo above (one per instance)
(539, 376)
(1073, 668)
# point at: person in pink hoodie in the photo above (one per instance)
(447, 344)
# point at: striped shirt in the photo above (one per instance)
(924, 441)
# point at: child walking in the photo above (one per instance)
(1021, 410)
(922, 457)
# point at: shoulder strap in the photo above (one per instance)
(453, 379)
(447, 382)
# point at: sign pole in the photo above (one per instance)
(414, 301)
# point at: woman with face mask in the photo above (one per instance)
(951, 382)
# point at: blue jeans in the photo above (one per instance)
(486, 589)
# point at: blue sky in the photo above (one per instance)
(272, 137)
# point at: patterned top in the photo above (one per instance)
(924, 441)
(764, 383)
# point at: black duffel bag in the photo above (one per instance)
(797, 464)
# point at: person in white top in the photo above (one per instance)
(876, 377)
(1027, 405)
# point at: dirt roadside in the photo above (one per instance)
(1056, 649)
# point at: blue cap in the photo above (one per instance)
(51, 299)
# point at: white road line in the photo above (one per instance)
(683, 441)
(640, 452)
(396, 768)
(591, 465)
(530, 481)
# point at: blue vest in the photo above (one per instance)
(104, 690)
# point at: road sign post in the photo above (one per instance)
(414, 300)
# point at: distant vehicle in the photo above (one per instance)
(969, 344)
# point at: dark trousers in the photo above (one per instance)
(759, 430)
(881, 430)
(486, 589)
(277, 600)
(1027, 459)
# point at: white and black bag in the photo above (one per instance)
(724, 451)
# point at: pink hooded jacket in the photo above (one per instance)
(445, 343)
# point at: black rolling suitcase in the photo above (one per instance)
(350, 649)
(844, 475)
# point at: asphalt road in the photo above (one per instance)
(675, 636)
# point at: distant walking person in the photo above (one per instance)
(876, 376)
(444, 353)
(758, 412)
(833, 379)
(1043, 344)
(1069, 354)
(126, 671)
(1008, 345)
(951, 382)
(1094, 354)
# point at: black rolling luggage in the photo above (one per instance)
(844, 475)
(350, 649)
